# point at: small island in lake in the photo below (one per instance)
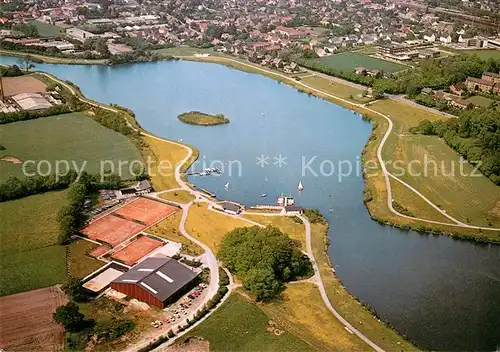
(202, 119)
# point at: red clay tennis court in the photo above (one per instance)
(146, 210)
(112, 229)
(136, 250)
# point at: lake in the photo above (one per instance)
(442, 293)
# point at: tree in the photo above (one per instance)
(262, 283)
(26, 63)
(70, 317)
(264, 258)
(377, 93)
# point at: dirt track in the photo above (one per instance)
(26, 321)
(22, 84)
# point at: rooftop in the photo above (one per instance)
(161, 277)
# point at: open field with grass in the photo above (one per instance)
(301, 311)
(31, 257)
(169, 229)
(32, 269)
(31, 222)
(295, 230)
(80, 264)
(54, 60)
(182, 196)
(46, 30)
(435, 169)
(346, 305)
(240, 325)
(84, 142)
(209, 226)
(165, 157)
(348, 61)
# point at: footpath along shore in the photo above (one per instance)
(211, 259)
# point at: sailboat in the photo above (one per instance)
(226, 186)
(300, 187)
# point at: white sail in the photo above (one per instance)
(300, 187)
(226, 185)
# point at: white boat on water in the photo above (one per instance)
(226, 186)
(263, 195)
(300, 187)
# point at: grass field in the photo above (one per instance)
(28, 238)
(182, 197)
(334, 87)
(202, 119)
(165, 156)
(32, 269)
(169, 229)
(240, 325)
(474, 200)
(301, 311)
(46, 29)
(348, 61)
(83, 141)
(210, 227)
(80, 264)
(287, 225)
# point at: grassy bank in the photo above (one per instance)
(433, 168)
(182, 197)
(53, 59)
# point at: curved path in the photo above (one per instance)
(211, 260)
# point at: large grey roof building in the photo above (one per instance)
(155, 281)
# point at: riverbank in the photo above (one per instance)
(380, 333)
(197, 118)
(424, 215)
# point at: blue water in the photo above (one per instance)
(442, 293)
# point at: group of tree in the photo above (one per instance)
(264, 258)
(134, 56)
(71, 216)
(10, 71)
(14, 188)
(475, 135)
(80, 329)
